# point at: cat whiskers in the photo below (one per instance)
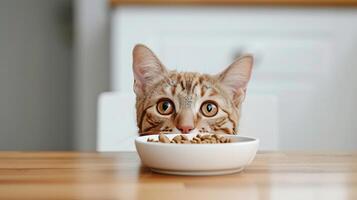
(203, 130)
(154, 133)
(166, 130)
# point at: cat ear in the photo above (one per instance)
(147, 68)
(237, 75)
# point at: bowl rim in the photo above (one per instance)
(250, 140)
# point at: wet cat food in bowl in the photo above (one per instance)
(196, 159)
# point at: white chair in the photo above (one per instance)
(117, 124)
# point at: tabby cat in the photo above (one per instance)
(184, 102)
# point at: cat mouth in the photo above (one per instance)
(157, 133)
(151, 133)
(168, 132)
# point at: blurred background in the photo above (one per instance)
(58, 56)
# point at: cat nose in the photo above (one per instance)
(185, 129)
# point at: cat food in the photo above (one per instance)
(198, 139)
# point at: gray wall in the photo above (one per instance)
(35, 80)
(91, 68)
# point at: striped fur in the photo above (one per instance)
(187, 90)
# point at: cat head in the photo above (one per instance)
(182, 102)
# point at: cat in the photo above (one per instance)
(186, 102)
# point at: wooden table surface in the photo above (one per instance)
(66, 175)
(310, 3)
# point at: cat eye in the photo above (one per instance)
(165, 107)
(209, 109)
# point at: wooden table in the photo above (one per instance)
(344, 3)
(66, 175)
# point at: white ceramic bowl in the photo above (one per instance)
(197, 159)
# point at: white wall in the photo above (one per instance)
(305, 56)
(35, 64)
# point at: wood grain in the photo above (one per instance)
(315, 3)
(66, 175)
